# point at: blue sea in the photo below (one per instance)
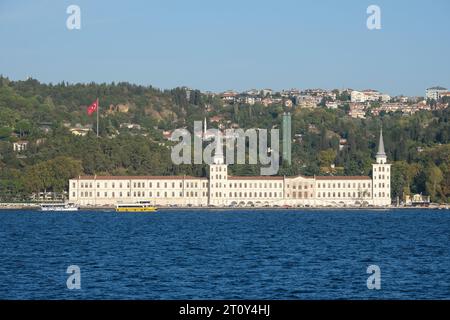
(226, 254)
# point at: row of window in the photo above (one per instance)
(143, 185)
(256, 185)
(343, 194)
(173, 194)
(254, 194)
(301, 195)
(380, 176)
(180, 185)
(349, 194)
(381, 169)
(299, 186)
(381, 185)
(344, 185)
(140, 194)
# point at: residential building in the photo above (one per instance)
(434, 92)
(20, 146)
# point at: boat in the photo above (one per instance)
(142, 206)
(58, 207)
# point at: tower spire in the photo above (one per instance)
(218, 152)
(381, 151)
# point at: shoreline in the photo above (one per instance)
(34, 206)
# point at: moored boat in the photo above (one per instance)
(142, 206)
(58, 207)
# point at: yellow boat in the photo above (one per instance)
(142, 206)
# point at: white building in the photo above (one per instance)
(369, 96)
(435, 92)
(220, 189)
(20, 146)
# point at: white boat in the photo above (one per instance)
(58, 207)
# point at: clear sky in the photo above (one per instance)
(234, 44)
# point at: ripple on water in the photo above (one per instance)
(283, 254)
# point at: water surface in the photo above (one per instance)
(240, 254)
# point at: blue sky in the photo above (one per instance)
(219, 45)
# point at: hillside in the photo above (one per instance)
(135, 119)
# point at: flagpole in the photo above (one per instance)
(98, 110)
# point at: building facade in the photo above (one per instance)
(220, 189)
(435, 92)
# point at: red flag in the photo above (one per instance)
(92, 108)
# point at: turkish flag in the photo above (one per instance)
(92, 108)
